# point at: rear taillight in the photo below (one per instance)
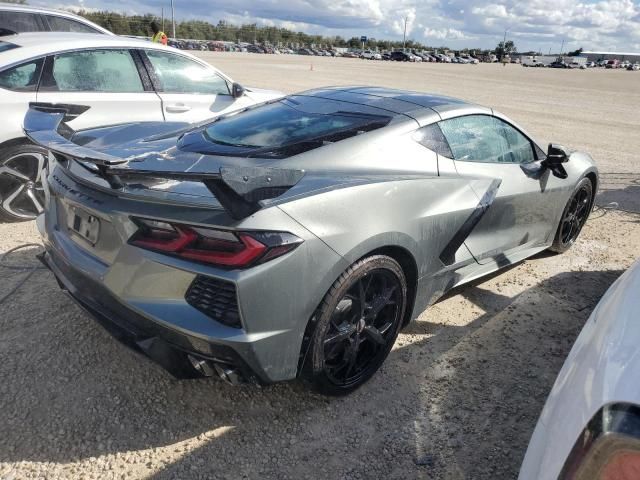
(217, 247)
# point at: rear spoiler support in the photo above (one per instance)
(239, 190)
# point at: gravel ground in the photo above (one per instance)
(457, 398)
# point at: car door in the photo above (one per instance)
(522, 212)
(190, 91)
(108, 81)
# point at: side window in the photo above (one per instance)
(94, 71)
(61, 24)
(178, 74)
(23, 78)
(483, 138)
(432, 137)
(520, 147)
(19, 22)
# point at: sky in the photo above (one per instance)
(539, 25)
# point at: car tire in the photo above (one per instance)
(574, 216)
(356, 325)
(21, 192)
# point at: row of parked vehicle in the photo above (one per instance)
(415, 56)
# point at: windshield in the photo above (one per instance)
(282, 129)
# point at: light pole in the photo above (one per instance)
(173, 20)
(404, 36)
(504, 43)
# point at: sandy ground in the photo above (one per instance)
(457, 398)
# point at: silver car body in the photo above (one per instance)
(447, 222)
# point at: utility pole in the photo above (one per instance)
(173, 20)
(504, 43)
(562, 47)
(162, 15)
(404, 36)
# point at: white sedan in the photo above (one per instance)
(104, 80)
(589, 428)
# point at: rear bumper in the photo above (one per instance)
(169, 348)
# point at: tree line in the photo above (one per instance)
(138, 25)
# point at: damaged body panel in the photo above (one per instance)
(227, 236)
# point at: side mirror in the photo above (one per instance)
(237, 90)
(556, 156)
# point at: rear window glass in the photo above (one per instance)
(61, 24)
(432, 137)
(282, 129)
(23, 78)
(4, 46)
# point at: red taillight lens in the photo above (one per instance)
(217, 247)
(624, 465)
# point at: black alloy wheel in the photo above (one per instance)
(574, 217)
(21, 191)
(358, 323)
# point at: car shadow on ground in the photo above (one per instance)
(69, 392)
(620, 191)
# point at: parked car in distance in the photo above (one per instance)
(635, 67)
(103, 77)
(255, 49)
(399, 56)
(277, 243)
(589, 428)
(16, 18)
(612, 64)
(370, 55)
(559, 64)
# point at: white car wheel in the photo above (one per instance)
(21, 192)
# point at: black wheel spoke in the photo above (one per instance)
(374, 334)
(340, 335)
(385, 328)
(352, 356)
(380, 302)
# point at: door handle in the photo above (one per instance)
(177, 108)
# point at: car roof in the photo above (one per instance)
(51, 11)
(398, 102)
(38, 44)
(31, 8)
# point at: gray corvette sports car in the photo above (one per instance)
(297, 237)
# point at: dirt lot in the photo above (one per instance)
(459, 395)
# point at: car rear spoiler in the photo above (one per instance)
(240, 190)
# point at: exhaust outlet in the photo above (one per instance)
(201, 366)
(228, 374)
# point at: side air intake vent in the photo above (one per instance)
(216, 299)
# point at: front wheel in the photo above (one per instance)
(356, 325)
(21, 192)
(574, 217)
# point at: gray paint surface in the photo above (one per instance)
(376, 190)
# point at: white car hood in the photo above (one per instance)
(601, 368)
